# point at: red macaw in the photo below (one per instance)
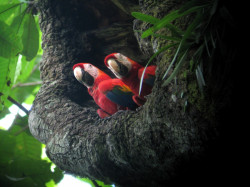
(109, 94)
(130, 72)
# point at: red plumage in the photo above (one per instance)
(103, 89)
(132, 77)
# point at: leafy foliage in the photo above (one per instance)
(11, 43)
(19, 45)
(201, 36)
(7, 76)
(20, 53)
(20, 158)
(30, 38)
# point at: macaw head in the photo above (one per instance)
(119, 64)
(87, 74)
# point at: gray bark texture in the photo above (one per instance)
(173, 138)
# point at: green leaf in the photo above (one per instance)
(4, 113)
(4, 70)
(192, 26)
(35, 73)
(51, 183)
(19, 167)
(153, 20)
(4, 2)
(26, 145)
(57, 175)
(30, 38)
(145, 17)
(29, 100)
(8, 11)
(10, 43)
(7, 76)
(26, 69)
(176, 32)
(37, 172)
(176, 70)
(7, 144)
(173, 60)
(29, 74)
(150, 60)
(100, 183)
(20, 94)
(200, 78)
(168, 18)
(40, 50)
(162, 23)
(17, 24)
(187, 34)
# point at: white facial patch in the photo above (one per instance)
(113, 64)
(78, 73)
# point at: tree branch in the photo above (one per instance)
(27, 84)
(18, 104)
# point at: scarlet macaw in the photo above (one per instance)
(109, 94)
(130, 72)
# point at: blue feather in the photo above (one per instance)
(122, 98)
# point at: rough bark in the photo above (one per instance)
(158, 144)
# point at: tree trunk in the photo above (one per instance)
(171, 139)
